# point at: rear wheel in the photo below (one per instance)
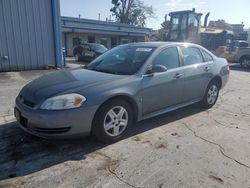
(113, 121)
(211, 95)
(245, 62)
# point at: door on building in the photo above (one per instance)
(113, 42)
(91, 39)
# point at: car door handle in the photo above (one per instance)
(207, 69)
(178, 75)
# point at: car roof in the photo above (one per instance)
(159, 44)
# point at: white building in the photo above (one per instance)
(110, 34)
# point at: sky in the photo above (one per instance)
(233, 11)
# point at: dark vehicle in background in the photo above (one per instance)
(88, 51)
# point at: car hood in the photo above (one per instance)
(59, 82)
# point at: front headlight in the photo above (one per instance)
(63, 102)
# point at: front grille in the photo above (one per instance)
(52, 130)
(24, 122)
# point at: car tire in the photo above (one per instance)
(245, 62)
(211, 95)
(109, 126)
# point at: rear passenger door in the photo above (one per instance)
(195, 72)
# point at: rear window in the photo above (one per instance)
(191, 55)
(207, 56)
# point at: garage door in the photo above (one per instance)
(26, 35)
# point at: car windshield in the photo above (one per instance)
(123, 60)
(98, 48)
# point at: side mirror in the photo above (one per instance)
(156, 69)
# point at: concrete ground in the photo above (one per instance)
(189, 147)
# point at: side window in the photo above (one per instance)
(191, 55)
(168, 57)
(86, 47)
(207, 56)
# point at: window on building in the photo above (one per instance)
(76, 41)
(191, 55)
(113, 42)
(124, 41)
(134, 40)
(168, 57)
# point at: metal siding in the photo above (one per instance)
(26, 34)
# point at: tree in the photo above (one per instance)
(132, 12)
(166, 25)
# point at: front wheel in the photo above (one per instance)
(113, 121)
(211, 95)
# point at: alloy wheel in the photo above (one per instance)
(212, 94)
(116, 121)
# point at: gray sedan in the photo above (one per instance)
(127, 84)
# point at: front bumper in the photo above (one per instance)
(55, 124)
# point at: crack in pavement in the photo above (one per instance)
(120, 179)
(225, 93)
(244, 113)
(110, 160)
(224, 125)
(222, 150)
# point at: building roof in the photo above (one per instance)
(70, 24)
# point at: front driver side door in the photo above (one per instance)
(163, 90)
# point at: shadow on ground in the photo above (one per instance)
(22, 154)
(237, 67)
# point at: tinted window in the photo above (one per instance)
(123, 60)
(168, 57)
(98, 48)
(191, 55)
(207, 56)
(175, 22)
(243, 44)
(86, 47)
